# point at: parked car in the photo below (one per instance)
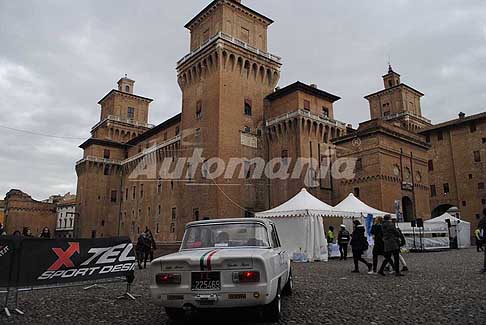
(226, 263)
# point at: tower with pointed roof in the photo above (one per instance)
(398, 103)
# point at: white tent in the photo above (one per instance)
(354, 207)
(459, 228)
(300, 227)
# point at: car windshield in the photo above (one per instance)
(225, 235)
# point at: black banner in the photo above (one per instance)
(56, 261)
(8, 249)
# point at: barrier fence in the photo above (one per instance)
(29, 264)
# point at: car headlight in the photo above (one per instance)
(168, 278)
(246, 277)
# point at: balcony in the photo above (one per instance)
(115, 118)
(407, 115)
(232, 40)
(308, 114)
(99, 160)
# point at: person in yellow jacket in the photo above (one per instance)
(479, 241)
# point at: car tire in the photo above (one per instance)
(174, 314)
(289, 286)
(273, 311)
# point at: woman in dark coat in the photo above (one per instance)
(379, 246)
(359, 244)
(391, 240)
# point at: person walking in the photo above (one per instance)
(482, 234)
(359, 244)
(343, 241)
(479, 240)
(391, 240)
(46, 233)
(153, 245)
(330, 239)
(379, 246)
(142, 249)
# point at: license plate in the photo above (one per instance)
(206, 281)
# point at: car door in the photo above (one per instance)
(281, 256)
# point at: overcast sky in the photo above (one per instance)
(58, 58)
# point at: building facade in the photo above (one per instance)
(66, 216)
(22, 212)
(134, 175)
(457, 166)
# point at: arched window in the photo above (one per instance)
(248, 107)
(127, 89)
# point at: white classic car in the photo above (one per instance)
(226, 263)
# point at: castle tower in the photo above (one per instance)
(124, 116)
(398, 103)
(224, 81)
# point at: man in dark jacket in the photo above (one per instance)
(482, 228)
(391, 241)
(359, 244)
(343, 241)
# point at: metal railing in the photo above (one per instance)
(151, 150)
(308, 114)
(99, 160)
(232, 40)
(406, 113)
(123, 120)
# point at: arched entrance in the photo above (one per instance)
(440, 210)
(407, 209)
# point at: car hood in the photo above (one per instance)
(211, 259)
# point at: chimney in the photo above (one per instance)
(313, 86)
(462, 115)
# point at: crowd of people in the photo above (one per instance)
(26, 232)
(388, 241)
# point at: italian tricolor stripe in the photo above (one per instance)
(205, 260)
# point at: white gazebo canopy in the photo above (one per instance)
(300, 205)
(354, 207)
(300, 226)
(460, 229)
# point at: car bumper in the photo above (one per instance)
(249, 297)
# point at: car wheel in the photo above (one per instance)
(289, 286)
(273, 311)
(174, 314)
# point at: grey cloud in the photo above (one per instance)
(58, 58)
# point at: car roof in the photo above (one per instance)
(229, 220)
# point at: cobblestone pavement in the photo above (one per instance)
(441, 288)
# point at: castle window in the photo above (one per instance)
(113, 196)
(473, 128)
(172, 228)
(325, 112)
(134, 191)
(481, 186)
(390, 83)
(174, 214)
(157, 228)
(199, 110)
(159, 186)
(131, 113)
(160, 209)
(141, 190)
(307, 105)
(484, 140)
(470, 176)
(356, 192)
(433, 191)
(248, 107)
(359, 164)
(477, 156)
(285, 157)
(197, 135)
(483, 201)
(446, 188)
(431, 165)
(247, 129)
(102, 223)
(127, 89)
(107, 170)
(245, 35)
(440, 136)
(106, 154)
(464, 203)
